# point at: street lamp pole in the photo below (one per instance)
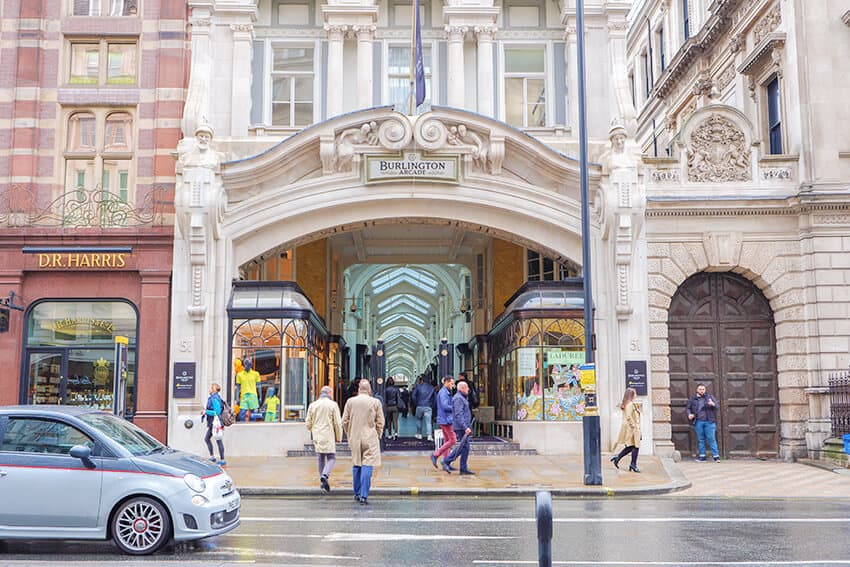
(590, 423)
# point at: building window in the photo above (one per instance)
(292, 86)
(647, 85)
(398, 73)
(99, 150)
(632, 88)
(103, 63)
(541, 268)
(525, 86)
(686, 19)
(104, 7)
(661, 54)
(774, 116)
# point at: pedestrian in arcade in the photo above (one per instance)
(212, 414)
(444, 420)
(462, 426)
(325, 423)
(423, 399)
(702, 410)
(392, 395)
(363, 423)
(629, 430)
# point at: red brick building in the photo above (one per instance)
(91, 96)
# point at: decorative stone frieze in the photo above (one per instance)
(768, 23)
(726, 77)
(776, 173)
(665, 175)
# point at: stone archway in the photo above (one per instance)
(721, 333)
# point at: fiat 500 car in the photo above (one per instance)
(79, 473)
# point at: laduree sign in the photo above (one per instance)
(412, 165)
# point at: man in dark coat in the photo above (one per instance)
(462, 424)
(423, 397)
(702, 410)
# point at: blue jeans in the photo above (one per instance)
(362, 477)
(460, 450)
(706, 430)
(423, 413)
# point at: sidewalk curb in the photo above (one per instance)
(678, 482)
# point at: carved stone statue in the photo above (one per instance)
(717, 152)
(617, 156)
(366, 134)
(201, 154)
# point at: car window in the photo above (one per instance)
(124, 433)
(34, 435)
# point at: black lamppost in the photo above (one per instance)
(590, 422)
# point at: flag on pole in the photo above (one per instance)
(418, 65)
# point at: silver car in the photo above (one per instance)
(79, 473)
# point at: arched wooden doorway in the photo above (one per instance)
(721, 333)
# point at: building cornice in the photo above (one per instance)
(792, 205)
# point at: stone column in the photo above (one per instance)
(456, 78)
(365, 36)
(153, 380)
(336, 38)
(485, 69)
(198, 95)
(572, 76)
(240, 113)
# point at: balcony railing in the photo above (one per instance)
(839, 402)
(20, 206)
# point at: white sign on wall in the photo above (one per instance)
(527, 361)
(412, 165)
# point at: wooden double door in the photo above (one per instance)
(721, 334)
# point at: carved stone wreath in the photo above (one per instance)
(717, 152)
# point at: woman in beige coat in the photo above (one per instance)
(363, 422)
(325, 423)
(629, 430)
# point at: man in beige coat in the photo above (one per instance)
(324, 422)
(363, 422)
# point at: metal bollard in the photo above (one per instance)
(544, 528)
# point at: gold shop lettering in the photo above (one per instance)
(83, 260)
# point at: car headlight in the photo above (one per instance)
(195, 482)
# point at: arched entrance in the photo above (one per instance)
(721, 333)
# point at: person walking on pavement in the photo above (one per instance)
(462, 426)
(423, 399)
(444, 420)
(392, 396)
(212, 413)
(702, 410)
(325, 423)
(405, 401)
(629, 430)
(363, 423)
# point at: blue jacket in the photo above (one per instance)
(698, 405)
(213, 405)
(444, 406)
(423, 395)
(461, 414)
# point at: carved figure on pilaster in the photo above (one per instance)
(365, 135)
(461, 135)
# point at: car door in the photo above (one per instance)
(41, 485)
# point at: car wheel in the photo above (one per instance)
(140, 526)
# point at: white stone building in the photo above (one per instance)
(304, 98)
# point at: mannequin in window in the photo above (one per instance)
(246, 382)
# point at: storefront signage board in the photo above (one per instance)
(184, 379)
(412, 166)
(636, 376)
(565, 357)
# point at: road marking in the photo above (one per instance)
(268, 553)
(406, 537)
(682, 520)
(668, 563)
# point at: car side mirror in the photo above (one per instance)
(84, 454)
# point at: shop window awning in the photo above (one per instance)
(271, 299)
(564, 294)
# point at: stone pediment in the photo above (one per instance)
(338, 149)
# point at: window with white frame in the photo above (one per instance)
(99, 151)
(102, 62)
(541, 268)
(398, 73)
(292, 86)
(104, 7)
(774, 116)
(525, 86)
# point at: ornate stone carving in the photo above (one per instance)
(702, 85)
(336, 32)
(736, 43)
(243, 28)
(456, 33)
(717, 152)
(460, 135)
(726, 77)
(365, 135)
(665, 175)
(776, 173)
(768, 23)
(486, 33)
(618, 26)
(365, 32)
(201, 22)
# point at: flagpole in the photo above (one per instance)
(414, 8)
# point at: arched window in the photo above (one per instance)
(81, 132)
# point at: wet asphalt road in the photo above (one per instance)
(435, 532)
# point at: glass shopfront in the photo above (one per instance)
(538, 346)
(278, 352)
(70, 351)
